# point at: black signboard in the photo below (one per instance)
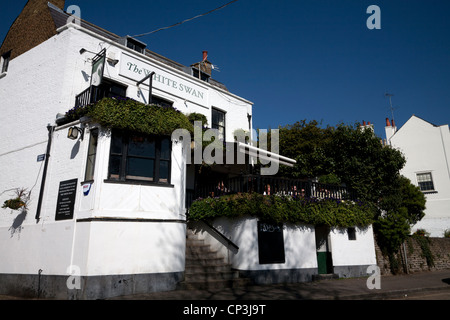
(66, 200)
(270, 243)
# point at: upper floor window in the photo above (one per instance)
(162, 102)
(218, 122)
(137, 157)
(5, 61)
(134, 44)
(203, 76)
(425, 181)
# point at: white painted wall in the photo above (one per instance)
(44, 82)
(236, 108)
(357, 252)
(427, 149)
(299, 242)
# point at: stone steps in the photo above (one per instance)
(206, 269)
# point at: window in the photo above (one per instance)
(135, 44)
(5, 61)
(351, 233)
(92, 153)
(162, 102)
(136, 157)
(425, 181)
(218, 122)
(203, 76)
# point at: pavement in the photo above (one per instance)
(433, 285)
(436, 283)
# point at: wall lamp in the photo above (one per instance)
(112, 62)
(83, 50)
(74, 132)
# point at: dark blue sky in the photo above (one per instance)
(308, 59)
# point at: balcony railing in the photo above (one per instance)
(269, 186)
(91, 95)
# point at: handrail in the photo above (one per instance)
(220, 234)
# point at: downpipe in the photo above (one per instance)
(50, 129)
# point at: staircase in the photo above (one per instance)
(205, 269)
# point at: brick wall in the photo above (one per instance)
(33, 26)
(416, 261)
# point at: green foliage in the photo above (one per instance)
(132, 115)
(422, 238)
(193, 117)
(355, 157)
(14, 204)
(447, 233)
(21, 199)
(285, 209)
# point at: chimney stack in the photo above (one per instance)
(390, 130)
(204, 66)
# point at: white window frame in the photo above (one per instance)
(430, 173)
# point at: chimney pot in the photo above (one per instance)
(388, 123)
(393, 123)
(205, 55)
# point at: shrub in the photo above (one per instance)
(285, 209)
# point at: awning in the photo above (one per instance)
(265, 155)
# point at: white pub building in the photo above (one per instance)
(89, 213)
(80, 219)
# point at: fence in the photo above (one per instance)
(269, 186)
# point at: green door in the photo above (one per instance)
(324, 262)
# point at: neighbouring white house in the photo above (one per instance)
(102, 212)
(426, 147)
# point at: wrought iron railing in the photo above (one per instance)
(91, 95)
(270, 186)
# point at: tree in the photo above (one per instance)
(355, 157)
(305, 142)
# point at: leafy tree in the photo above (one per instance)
(355, 157)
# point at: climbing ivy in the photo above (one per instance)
(129, 114)
(285, 209)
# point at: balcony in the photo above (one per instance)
(268, 186)
(94, 94)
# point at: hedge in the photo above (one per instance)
(285, 209)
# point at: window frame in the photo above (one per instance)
(217, 126)
(5, 59)
(426, 182)
(123, 176)
(90, 165)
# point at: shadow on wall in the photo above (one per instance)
(18, 222)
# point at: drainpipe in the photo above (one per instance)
(44, 174)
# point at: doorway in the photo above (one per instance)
(324, 258)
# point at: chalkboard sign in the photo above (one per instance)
(270, 243)
(66, 200)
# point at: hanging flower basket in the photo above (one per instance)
(14, 204)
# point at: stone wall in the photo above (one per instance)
(411, 257)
